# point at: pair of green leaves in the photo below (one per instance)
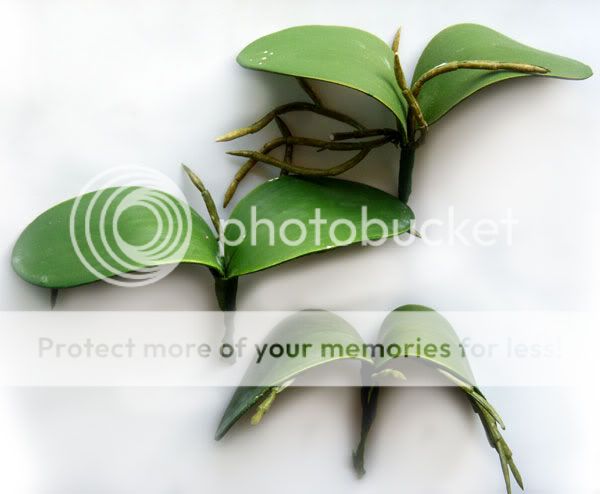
(359, 60)
(411, 331)
(105, 223)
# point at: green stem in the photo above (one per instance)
(407, 163)
(226, 291)
(369, 396)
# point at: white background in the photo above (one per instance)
(89, 85)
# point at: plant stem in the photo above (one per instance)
(407, 163)
(53, 297)
(226, 291)
(416, 128)
(369, 396)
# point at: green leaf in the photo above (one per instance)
(464, 42)
(410, 324)
(297, 198)
(412, 327)
(120, 223)
(423, 333)
(342, 55)
(407, 330)
(315, 328)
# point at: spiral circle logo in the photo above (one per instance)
(130, 226)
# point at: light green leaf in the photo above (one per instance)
(412, 327)
(314, 328)
(342, 55)
(298, 198)
(416, 329)
(113, 236)
(464, 42)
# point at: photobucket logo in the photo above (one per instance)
(316, 231)
(368, 231)
(130, 226)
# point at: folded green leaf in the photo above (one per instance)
(312, 328)
(464, 42)
(416, 331)
(412, 328)
(342, 55)
(106, 238)
(296, 199)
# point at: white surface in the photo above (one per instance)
(90, 85)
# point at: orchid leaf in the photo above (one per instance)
(308, 330)
(422, 333)
(342, 55)
(425, 334)
(111, 232)
(409, 328)
(464, 42)
(107, 237)
(295, 201)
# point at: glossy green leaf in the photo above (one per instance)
(342, 55)
(315, 328)
(293, 198)
(116, 230)
(464, 42)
